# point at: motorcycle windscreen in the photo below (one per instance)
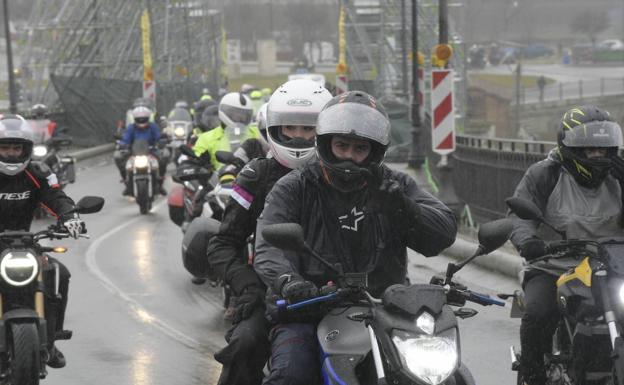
(140, 147)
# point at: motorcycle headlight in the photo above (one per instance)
(621, 293)
(19, 268)
(40, 151)
(140, 161)
(432, 359)
(179, 132)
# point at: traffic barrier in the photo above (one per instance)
(92, 151)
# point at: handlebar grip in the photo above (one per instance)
(484, 299)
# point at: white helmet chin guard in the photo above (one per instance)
(294, 103)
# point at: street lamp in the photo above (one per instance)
(416, 157)
(9, 53)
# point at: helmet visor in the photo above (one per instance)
(354, 119)
(291, 118)
(237, 115)
(594, 134)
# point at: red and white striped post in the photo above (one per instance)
(342, 84)
(442, 112)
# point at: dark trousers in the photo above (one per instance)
(247, 351)
(538, 324)
(294, 355)
(55, 306)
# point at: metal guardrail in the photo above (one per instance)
(511, 145)
(556, 91)
(487, 170)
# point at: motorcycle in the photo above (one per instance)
(26, 276)
(409, 336)
(179, 129)
(143, 175)
(48, 152)
(205, 210)
(587, 344)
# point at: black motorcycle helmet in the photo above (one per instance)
(209, 118)
(358, 115)
(582, 128)
(199, 108)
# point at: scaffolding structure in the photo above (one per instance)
(102, 38)
(375, 51)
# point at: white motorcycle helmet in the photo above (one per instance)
(14, 130)
(141, 116)
(294, 103)
(235, 110)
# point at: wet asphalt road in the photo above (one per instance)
(138, 320)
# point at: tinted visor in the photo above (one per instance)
(276, 118)
(237, 115)
(594, 134)
(141, 120)
(354, 119)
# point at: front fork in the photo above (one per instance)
(617, 354)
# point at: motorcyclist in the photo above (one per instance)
(266, 94)
(200, 107)
(25, 185)
(354, 211)
(39, 113)
(141, 129)
(235, 113)
(256, 100)
(579, 191)
(291, 140)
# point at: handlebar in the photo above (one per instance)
(483, 299)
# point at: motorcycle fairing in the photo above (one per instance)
(337, 334)
(582, 272)
(344, 344)
(176, 197)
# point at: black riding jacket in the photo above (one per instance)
(227, 251)
(348, 229)
(22, 193)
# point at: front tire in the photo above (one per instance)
(25, 355)
(142, 196)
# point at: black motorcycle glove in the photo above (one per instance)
(532, 248)
(249, 300)
(294, 288)
(387, 196)
(617, 170)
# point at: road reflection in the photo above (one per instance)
(142, 253)
(141, 368)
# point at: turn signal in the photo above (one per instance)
(59, 249)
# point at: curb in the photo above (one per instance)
(499, 261)
(92, 151)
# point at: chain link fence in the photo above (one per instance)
(92, 107)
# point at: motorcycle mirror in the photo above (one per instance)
(289, 236)
(225, 157)
(493, 235)
(524, 209)
(89, 205)
(286, 236)
(187, 151)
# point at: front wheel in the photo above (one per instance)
(25, 355)
(142, 196)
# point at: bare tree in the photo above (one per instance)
(591, 23)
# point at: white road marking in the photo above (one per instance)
(137, 308)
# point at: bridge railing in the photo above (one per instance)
(487, 170)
